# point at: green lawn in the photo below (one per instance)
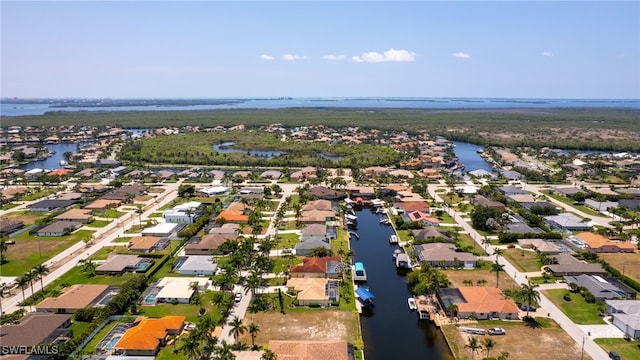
(112, 213)
(578, 310)
(286, 241)
(188, 310)
(468, 244)
(585, 209)
(98, 223)
(122, 239)
(76, 276)
(340, 243)
(91, 346)
(523, 260)
(626, 349)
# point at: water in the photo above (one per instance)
(113, 342)
(150, 299)
(53, 162)
(225, 148)
(391, 330)
(11, 109)
(468, 155)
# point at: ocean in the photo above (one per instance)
(7, 108)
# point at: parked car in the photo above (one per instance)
(528, 307)
(497, 331)
(238, 297)
(614, 355)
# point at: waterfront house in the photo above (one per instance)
(75, 297)
(411, 206)
(35, 328)
(443, 255)
(148, 335)
(305, 173)
(271, 174)
(430, 234)
(600, 244)
(480, 302)
(626, 316)
(324, 267)
(315, 291)
(323, 192)
(310, 350)
(59, 228)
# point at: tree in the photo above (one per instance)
(498, 253)
(253, 329)
(191, 346)
(139, 211)
(268, 355)
(319, 252)
(529, 292)
(481, 216)
(488, 344)
(22, 282)
(40, 271)
(88, 266)
(31, 277)
(3, 249)
(253, 282)
(237, 328)
(224, 352)
(473, 345)
(2, 289)
(497, 268)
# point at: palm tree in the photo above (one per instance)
(88, 266)
(40, 271)
(254, 280)
(30, 276)
(488, 344)
(223, 352)
(191, 346)
(473, 345)
(2, 289)
(22, 282)
(139, 211)
(498, 253)
(497, 268)
(268, 355)
(529, 292)
(237, 328)
(3, 249)
(253, 329)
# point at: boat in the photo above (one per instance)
(396, 252)
(402, 261)
(393, 239)
(365, 297)
(385, 221)
(412, 304)
(351, 218)
(354, 234)
(359, 273)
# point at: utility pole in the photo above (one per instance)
(582, 352)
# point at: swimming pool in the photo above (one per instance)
(106, 300)
(577, 243)
(113, 343)
(150, 299)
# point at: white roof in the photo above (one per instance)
(34, 171)
(162, 228)
(179, 288)
(199, 263)
(214, 190)
(188, 205)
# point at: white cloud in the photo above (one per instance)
(334, 57)
(266, 57)
(292, 57)
(387, 56)
(461, 55)
(547, 53)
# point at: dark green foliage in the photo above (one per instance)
(481, 215)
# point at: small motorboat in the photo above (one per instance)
(412, 304)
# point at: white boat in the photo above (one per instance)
(385, 221)
(351, 218)
(412, 304)
(396, 252)
(393, 239)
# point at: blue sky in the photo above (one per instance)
(561, 49)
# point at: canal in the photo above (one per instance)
(391, 330)
(467, 154)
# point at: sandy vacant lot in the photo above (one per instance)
(521, 342)
(316, 325)
(457, 278)
(618, 261)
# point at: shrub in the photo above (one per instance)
(567, 297)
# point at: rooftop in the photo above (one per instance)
(74, 297)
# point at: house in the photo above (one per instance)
(118, 264)
(599, 287)
(317, 216)
(103, 204)
(50, 205)
(73, 298)
(402, 174)
(235, 213)
(180, 289)
(207, 244)
(512, 190)
(35, 328)
(305, 173)
(421, 216)
(518, 227)
(323, 192)
(198, 265)
(324, 205)
(147, 335)
(80, 215)
(185, 213)
(541, 246)
(161, 230)
(567, 191)
(626, 316)
(480, 173)
(480, 302)
(633, 204)
(59, 228)
(430, 234)
(216, 174)
(324, 267)
(479, 200)
(411, 206)
(443, 255)
(601, 205)
(568, 265)
(143, 244)
(314, 230)
(521, 198)
(271, 174)
(511, 175)
(241, 174)
(308, 243)
(315, 291)
(600, 244)
(214, 191)
(7, 226)
(227, 229)
(542, 205)
(310, 350)
(566, 222)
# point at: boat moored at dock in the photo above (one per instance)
(393, 239)
(359, 273)
(412, 304)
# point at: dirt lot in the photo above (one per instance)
(317, 325)
(520, 341)
(618, 261)
(457, 277)
(28, 218)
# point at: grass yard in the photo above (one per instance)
(626, 349)
(76, 276)
(618, 261)
(585, 209)
(188, 310)
(122, 239)
(551, 342)
(98, 223)
(523, 260)
(286, 241)
(317, 324)
(112, 213)
(156, 190)
(142, 198)
(457, 278)
(340, 243)
(469, 245)
(25, 253)
(578, 310)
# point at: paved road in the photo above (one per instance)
(580, 336)
(67, 260)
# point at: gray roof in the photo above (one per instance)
(567, 221)
(199, 263)
(567, 191)
(596, 285)
(429, 232)
(631, 320)
(33, 329)
(60, 227)
(52, 204)
(118, 263)
(314, 229)
(313, 242)
(511, 190)
(442, 251)
(567, 264)
(521, 228)
(625, 306)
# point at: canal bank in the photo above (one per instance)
(390, 330)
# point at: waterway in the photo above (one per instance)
(467, 153)
(53, 162)
(391, 330)
(7, 108)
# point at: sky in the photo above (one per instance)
(217, 49)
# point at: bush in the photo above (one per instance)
(567, 297)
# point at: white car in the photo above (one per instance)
(238, 297)
(497, 331)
